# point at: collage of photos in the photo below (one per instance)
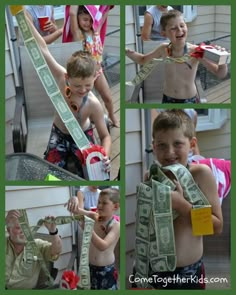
(107, 185)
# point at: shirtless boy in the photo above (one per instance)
(75, 83)
(173, 138)
(179, 85)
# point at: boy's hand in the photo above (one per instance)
(72, 204)
(176, 195)
(106, 164)
(127, 51)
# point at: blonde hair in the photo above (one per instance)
(112, 193)
(173, 13)
(173, 119)
(81, 65)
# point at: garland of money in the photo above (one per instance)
(155, 243)
(84, 271)
(32, 252)
(52, 89)
(148, 67)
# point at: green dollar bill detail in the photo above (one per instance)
(47, 80)
(23, 25)
(62, 107)
(77, 134)
(34, 53)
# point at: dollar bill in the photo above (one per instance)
(77, 134)
(47, 80)
(35, 53)
(62, 107)
(23, 25)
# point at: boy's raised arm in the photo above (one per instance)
(57, 70)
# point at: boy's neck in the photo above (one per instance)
(177, 50)
(106, 218)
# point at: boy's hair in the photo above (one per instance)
(82, 10)
(81, 65)
(173, 119)
(112, 193)
(173, 13)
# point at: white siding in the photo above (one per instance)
(40, 202)
(134, 175)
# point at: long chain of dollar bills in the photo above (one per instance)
(53, 91)
(155, 242)
(32, 252)
(148, 67)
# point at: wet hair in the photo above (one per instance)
(81, 65)
(173, 13)
(112, 193)
(173, 119)
(82, 10)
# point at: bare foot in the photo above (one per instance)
(114, 121)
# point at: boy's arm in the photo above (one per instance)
(97, 116)
(143, 58)
(80, 197)
(206, 182)
(103, 244)
(219, 70)
(74, 27)
(147, 27)
(57, 70)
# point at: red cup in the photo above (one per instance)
(42, 21)
(93, 209)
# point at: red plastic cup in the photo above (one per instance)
(42, 21)
(93, 209)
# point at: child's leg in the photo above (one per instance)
(56, 152)
(103, 89)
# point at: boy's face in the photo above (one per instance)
(81, 86)
(85, 22)
(172, 147)
(176, 30)
(105, 206)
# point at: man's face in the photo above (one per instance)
(176, 30)
(15, 233)
(171, 147)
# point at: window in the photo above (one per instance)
(210, 119)
(59, 11)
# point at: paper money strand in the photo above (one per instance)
(32, 251)
(155, 243)
(148, 67)
(52, 89)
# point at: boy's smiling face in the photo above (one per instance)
(172, 146)
(176, 30)
(81, 86)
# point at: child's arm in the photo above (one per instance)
(97, 116)
(143, 58)
(74, 26)
(80, 197)
(103, 244)
(57, 70)
(206, 182)
(219, 70)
